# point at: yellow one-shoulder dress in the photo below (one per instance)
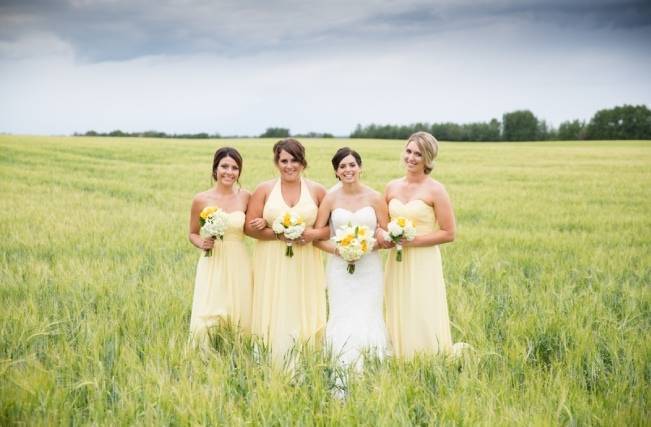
(223, 285)
(416, 307)
(289, 303)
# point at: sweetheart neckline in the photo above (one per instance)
(235, 211)
(412, 200)
(355, 211)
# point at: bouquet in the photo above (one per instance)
(353, 242)
(400, 229)
(213, 224)
(291, 225)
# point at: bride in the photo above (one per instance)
(355, 322)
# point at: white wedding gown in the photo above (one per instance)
(356, 321)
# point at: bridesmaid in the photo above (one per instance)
(289, 303)
(223, 288)
(416, 305)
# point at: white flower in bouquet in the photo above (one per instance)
(400, 229)
(353, 242)
(214, 222)
(291, 225)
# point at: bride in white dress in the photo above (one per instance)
(355, 321)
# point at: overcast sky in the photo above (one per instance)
(238, 67)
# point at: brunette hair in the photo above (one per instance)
(428, 146)
(293, 147)
(226, 152)
(345, 152)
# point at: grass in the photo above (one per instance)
(549, 280)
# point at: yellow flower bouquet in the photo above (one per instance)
(353, 242)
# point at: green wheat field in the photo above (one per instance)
(549, 280)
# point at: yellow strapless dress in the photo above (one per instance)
(416, 307)
(223, 285)
(289, 302)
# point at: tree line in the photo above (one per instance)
(621, 122)
(273, 132)
(151, 134)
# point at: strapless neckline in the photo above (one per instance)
(354, 211)
(409, 202)
(362, 216)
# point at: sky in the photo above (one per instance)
(239, 67)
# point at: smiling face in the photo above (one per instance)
(348, 169)
(290, 168)
(227, 172)
(413, 158)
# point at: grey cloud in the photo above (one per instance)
(102, 30)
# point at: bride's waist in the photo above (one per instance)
(369, 257)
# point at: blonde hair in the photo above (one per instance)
(428, 146)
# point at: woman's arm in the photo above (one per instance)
(320, 234)
(382, 214)
(193, 234)
(254, 225)
(326, 246)
(381, 231)
(320, 230)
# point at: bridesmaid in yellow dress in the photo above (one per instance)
(416, 307)
(289, 303)
(223, 288)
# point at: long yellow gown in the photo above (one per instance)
(289, 303)
(416, 307)
(223, 285)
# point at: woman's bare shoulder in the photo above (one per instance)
(265, 186)
(202, 196)
(315, 186)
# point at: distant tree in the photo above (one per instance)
(275, 133)
(316, 135)
(481, 131)
(622, 122)
(571, 130)
(545, 131)
(154, 134)
(494, 130)
(520, 125)
(91, 133)
(358, 132)
(117, 132)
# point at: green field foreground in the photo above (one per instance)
(549, 279)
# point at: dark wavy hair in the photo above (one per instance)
(344, 152)
(226, 152)
(293, 147)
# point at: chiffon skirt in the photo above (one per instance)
(222, 290)
(289, 303)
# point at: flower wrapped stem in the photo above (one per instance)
(351, 267)
(291, 225)
(401, 229)
(208, 252)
